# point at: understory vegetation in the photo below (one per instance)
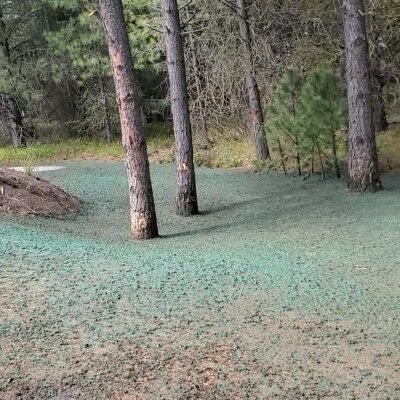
(223, 153)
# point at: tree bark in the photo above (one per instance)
(108, 125)
(282, 156)
(142, 209)
(363, 172)
(379, 112)
(298, 160)
(186, 196)
(11, 120)
(255, 107)
(320, 158)
(335, 157)
(379, 80)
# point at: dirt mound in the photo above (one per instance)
(22, 194)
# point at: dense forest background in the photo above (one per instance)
(56, 83)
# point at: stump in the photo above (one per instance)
(23, 194)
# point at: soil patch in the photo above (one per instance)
(23, 194)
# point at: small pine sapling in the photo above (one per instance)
(284, 115)
(323, 113)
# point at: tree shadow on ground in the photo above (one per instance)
(306, 206)
(260, 217)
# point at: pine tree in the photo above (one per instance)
(323, 112)
(284, 116)
(78, 44)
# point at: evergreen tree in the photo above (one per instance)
(323, 113)
(22, 72)
(77, 41)
(284, 116)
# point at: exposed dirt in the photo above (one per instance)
(280, 289)
(23, 194)
(180, 364)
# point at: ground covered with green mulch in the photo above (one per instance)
(280, 289)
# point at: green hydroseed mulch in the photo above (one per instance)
(280, 289)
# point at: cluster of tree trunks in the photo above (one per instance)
(143, 214)
(366, 116)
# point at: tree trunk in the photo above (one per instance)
(312, 160)
(198, 85)
(363, 173)
(11, 117)
(320, 158)
(108, 126)
(335, 157)
(282, 156)
(298, 160)
(379, 112)
(379, 80)
(142, 209)
(11, 120)
(186, 197)
(255, 108)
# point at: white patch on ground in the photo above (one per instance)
(39, 168)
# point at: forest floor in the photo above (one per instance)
(280, 289)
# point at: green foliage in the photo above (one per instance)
(22, 57)
(284, 112)
(76, 41)
(284, 117)
(323, 107)
(308, 113)
(29, 165)
(79, 37)
(324, 114)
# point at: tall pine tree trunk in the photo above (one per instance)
(255, 107)
(363, 173)
(186, 197)
(142, 209)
